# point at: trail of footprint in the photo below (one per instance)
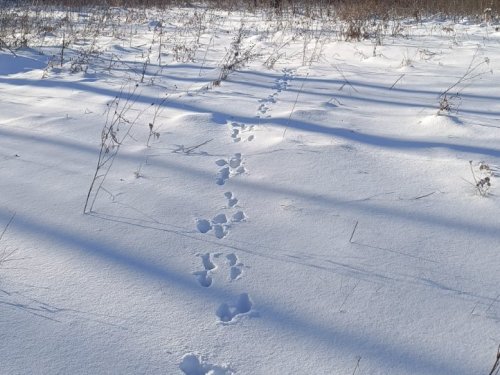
(204, 277)
(235, 273)
(236, 269)
(192, 364)
(265, 104)
(231, 199)
(223, 174)
(221, 231)
(221, 223)
(203, 225)
(227, 312)
(231, 167)
(239, 132)
(232, 259)
(207, 262)
(238, 217)
(220, 226)
(280, 85)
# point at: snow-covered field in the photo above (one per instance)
(314, 212)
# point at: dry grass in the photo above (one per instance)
(340, 8)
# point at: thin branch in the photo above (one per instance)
(357, 366)
(353, 231)
(4, 257)
(346, 81)
(7, 226)
(293, 108)
(192, 148)
(399, 79)
(349, 294)
(467, 76)
(424, 196)
(2, 43)
(496, 366)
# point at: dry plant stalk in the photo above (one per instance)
(5, 255)
(496, 366)
(111, 142)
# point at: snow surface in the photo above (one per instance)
(327, 224)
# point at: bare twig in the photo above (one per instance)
(353, 231)
(293, 108)
(349, 294)
(346, 81)
(4, 256)
(188, 150)
(446, 101)
(192, 148)
(7, 226)
(492, 303)
(468, 75)
(4, 45)
(496, 366)
(424, 196)
(399, 79)
(357, 366)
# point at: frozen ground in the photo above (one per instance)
(328, 222)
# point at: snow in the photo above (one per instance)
(317, 217)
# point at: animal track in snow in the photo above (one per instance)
(207, 262)
(231, 199)
(204, 277)
(265, 104)
(280, 85)
(234, 273)
(283, 82)
(191, 364)
(220, 219)
(221, 231)
(235, 135)
(227, 312)
(236, 267)
(221, 162)
(240, 132)
(232, 259)
(238, 217)
(220, 224)
(231, 167)
(203, 225)
(235, 161)
(223, 175)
